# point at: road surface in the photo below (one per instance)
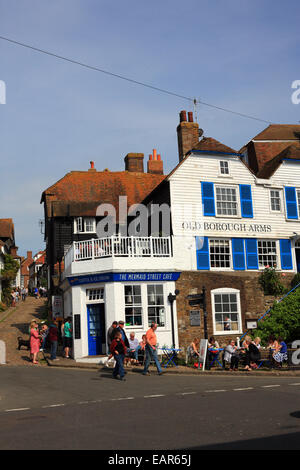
(44, 408)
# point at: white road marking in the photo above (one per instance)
(241, 389)
(125, 398)
(153, 396)
(18, 409)
(270, 386)
(53, 406)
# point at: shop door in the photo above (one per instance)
(96, 329)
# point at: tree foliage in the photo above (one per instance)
(283, 319)
(270, 282)
(8, 275)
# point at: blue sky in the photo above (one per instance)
(237, 54)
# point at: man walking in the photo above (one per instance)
(151, 351)
(123, 334)
(111, 333)
(53, 332)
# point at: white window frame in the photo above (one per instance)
(82, 222)
(230, 267)
(94, 291)
(222, 291)
(133, 305)
(145, 320)
(298, 202)
(280, 200)
(226, 166)
(238, 206)
(156, 305)
(278, 266)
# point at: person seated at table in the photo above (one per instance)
(133, 350)
(252, 354)
(246, 353)
(231, 355)
(212, 351)
(143, 343)
(280, 354)
(272, 343)
(272, 346)
(193, 349)
(257, 342)
(212, 343)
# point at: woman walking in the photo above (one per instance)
(35, 341)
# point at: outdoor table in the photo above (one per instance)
(169, 354)
(266, 356)
(216, 356)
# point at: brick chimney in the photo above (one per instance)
(29, 255)
(134, 162)
(13, 251)
(154, 164)
(187, 134)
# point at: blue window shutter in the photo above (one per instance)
(251, 253)
(238, 254)
(291, 202)
(208, 199)
(286, 254)
(246, 200)
(202, 252)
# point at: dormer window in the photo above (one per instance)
(85, 225)
(224, 167)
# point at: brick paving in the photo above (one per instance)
(15, 322)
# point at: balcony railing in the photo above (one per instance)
(119, 247)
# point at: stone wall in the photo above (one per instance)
(253, 301)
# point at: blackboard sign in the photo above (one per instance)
(195, 318)
(77, 329)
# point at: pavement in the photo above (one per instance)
(14, 322)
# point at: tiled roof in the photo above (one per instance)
(280, 132)
(7, 228)
(83, 191)
(209, 144)
(291, 153)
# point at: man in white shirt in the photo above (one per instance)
(134, 347)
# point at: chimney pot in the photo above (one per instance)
(182, 116)
(154, 154)
(92, 166)
(190, 116)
